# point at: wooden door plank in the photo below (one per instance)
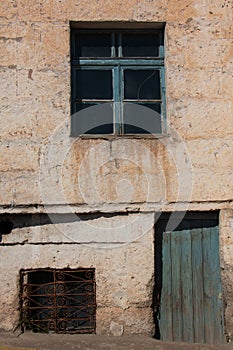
(187, 286)
(216, 285)
(176, 286)
(198, 296)
(208, 285)
(166, 293)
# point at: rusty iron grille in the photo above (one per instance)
(58, 300)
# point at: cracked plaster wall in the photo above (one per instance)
(43, 170)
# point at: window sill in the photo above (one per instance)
(115, 137)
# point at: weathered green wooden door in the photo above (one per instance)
(191, 296)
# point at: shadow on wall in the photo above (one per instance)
(13, 221)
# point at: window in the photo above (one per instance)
(117, 82)
(58, 300)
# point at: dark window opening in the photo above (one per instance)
(6, 227)
(58, 300)
(140, 45)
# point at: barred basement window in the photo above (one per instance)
(61, 300)
(117, 82)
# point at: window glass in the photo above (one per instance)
(93, 45)
(92, 118)
(140, 45)
(142, 118)
(141, 84)
(93, 84)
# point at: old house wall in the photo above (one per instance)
(43, 171)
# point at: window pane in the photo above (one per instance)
(93, 84)
(142, 84)
(92, 118)
(93, 45)
(140, 45)
(142, 118)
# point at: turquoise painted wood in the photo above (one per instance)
(186, 286)
(191, 302)
(176, 284)
(166, 320)
(198, 293)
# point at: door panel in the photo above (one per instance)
(191, 305)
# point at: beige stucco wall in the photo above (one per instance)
(42, 169)
(118, 247)
(35, 92)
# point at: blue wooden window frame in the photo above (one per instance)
(117, 65)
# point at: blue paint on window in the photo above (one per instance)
(117, 82)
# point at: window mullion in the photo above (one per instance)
(121, 88)
(120, 45)
(115, 61)
(117, 100)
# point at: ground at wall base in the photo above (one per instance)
(30, 341)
